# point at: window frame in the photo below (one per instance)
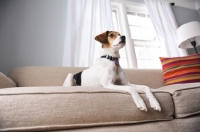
(148, 61)
(122, 8)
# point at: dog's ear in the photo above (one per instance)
(102, 38)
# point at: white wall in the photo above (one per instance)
(184, 3)
(32, 32)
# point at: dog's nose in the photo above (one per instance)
(123, 38)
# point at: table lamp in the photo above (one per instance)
(189, 35)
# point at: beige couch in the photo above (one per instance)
(33, 99)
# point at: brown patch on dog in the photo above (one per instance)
(107, 38)
(102, 38)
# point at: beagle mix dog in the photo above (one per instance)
(107, 73)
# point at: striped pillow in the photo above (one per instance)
(181, 69)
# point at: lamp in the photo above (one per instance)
(189, 35)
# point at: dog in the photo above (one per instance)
(107, 73)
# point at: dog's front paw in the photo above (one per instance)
(154, 104)
(139, 103)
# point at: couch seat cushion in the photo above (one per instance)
(50, 108)
(186, 98)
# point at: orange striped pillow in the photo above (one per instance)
(181, 69)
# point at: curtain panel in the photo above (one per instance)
(165, 25)
(85, 20)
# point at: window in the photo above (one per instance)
(142, 36)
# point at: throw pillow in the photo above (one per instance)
(181, 69)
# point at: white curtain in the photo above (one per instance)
(85, 20)
(165, 25)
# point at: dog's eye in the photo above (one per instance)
(111, 35)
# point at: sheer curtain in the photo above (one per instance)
(165, 25)
(85, 20)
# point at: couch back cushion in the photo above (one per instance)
(55, 76)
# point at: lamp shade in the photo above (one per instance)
(188, 31)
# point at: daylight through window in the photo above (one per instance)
(143, 36)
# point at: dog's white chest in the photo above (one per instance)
(94, 75)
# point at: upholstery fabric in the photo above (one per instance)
(55, 76)
(149, 77)
(6, 82)
(41, 76)
(186, 98)
(51, 108)
(181, 69)
(190, 124)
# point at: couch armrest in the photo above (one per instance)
(6, 82)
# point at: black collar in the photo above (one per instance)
(110, 58)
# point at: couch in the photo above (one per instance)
(33, 99)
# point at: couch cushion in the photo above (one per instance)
(55, 76)
(49, 108)
(41, 75)
(136, 76)
(186, 98)
(190, 124)
(6, 82)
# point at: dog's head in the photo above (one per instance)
(110, 39)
